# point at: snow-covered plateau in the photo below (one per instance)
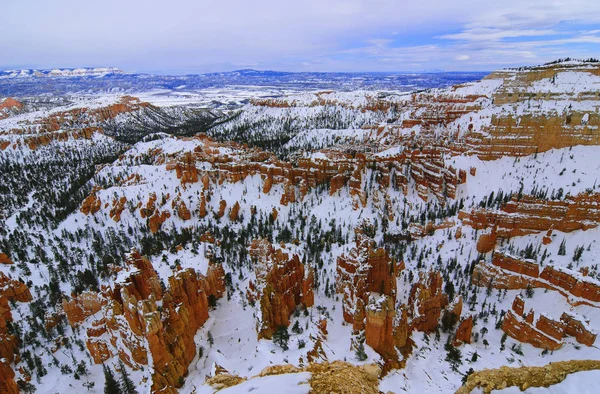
(264, 234)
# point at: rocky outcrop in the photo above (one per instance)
(337, 376)
(529, 215)
(117, 208)
(157, 219)
(524, 331)
(234, 214)
(10, 290)
(182, 210)
(4, 259)
(379, 327)
(82, 306)
(366, 278)
(509, 272)
(131, 325)
(463, 333)
(91, 204)
(544, 332)
(576, 326)
(281, 284)
(9, 107)
(427, 301)
(222, 207)
(363, 270)
(524, 377)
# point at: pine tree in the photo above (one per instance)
(281, 337)
(127, 385)
(361, 355)
(562, 249)
(111, 386)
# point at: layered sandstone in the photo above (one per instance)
(544, 332)
(131, 325)
(281, 285)
(363, 270)
(465, 328)
(427, 301)
(529, 215)
(10, 290)
(509, 272)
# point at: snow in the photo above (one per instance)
(294, 383)
(585, 382)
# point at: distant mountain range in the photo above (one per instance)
(102, 80)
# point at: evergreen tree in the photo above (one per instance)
(127, 385)
(361, 355)
(454, 357)
(111, 386)
(562, 249)
(281, 337)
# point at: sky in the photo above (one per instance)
(197, 36)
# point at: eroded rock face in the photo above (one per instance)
(366, 277)
(544, 332)
(427, 300)
(509, 272)
(16, 291)
(9, 106)
(131, 325)
(575, 326)
(379, 327)
(523, 331)
(281, 285)
(363, 270)
(465, 328)
(91, 204)
(530, 216)
(525, 377)
(82, 306)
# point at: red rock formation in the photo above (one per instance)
(363, 270)
(91, 204)
(572, 282)
(379, 327)
(281, 285)
(418, 231)
(552, 328)
(519, 305)
(530, 215)
(508, 272)
(130, 324)
(82, 306)
(117, 208)
(427, 301)
(513, 264)
(575, 327)
(268, 184)
(336, 183)
(155, 221)
(545, 333)
(182, 211)
(186, 169)
(10, 290)
(222, 206)
(523, 331)
(463, 333)
(4, 259)
(202, 206)
(7, 379)
(234, 214)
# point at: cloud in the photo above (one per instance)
(346, 35)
